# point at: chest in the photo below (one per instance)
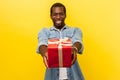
(61, 34)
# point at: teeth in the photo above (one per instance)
(58, 22)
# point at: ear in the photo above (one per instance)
(65, 15)
(51, 16)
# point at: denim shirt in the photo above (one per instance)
(75, 34)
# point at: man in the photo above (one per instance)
(61, 30)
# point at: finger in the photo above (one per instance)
(72, 50)
(45, 61)
(74, 57)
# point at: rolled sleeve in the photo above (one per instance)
(42, 39)
(77, 37)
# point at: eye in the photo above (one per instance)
(54, 14)
(61, 14)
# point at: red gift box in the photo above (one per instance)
(59, 53)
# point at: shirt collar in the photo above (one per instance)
(53, 28)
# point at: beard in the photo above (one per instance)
(59, 24)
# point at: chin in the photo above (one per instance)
(58, 25)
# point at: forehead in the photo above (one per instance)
(57, 9)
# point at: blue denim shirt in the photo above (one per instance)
(73, 73)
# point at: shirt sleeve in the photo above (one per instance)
(77, 37)
(42, 38)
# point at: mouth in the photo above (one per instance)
(58, 22)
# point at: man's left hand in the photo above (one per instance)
(74, 55)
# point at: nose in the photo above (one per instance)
(58, 16)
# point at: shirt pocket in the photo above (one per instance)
(69, 34)
(52, 35)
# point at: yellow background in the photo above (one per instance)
(21, 20)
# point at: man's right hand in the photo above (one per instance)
(44, 54)
(45, 58)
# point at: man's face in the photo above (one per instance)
(58, 16)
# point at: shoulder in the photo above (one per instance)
(43, 31)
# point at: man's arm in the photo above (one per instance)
(77, 46)
(77, 40)
(42, 40)
(42, 45)
(43, 50)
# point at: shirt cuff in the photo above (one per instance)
(38, 51)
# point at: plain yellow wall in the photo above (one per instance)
(21, 20)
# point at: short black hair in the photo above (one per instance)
(57, 5)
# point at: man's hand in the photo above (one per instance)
(44, 54)
(74, 55)
(45, 57)
(76, 47)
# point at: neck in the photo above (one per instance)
(60, 27)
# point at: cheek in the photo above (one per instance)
(63, 17)
(53, 17)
